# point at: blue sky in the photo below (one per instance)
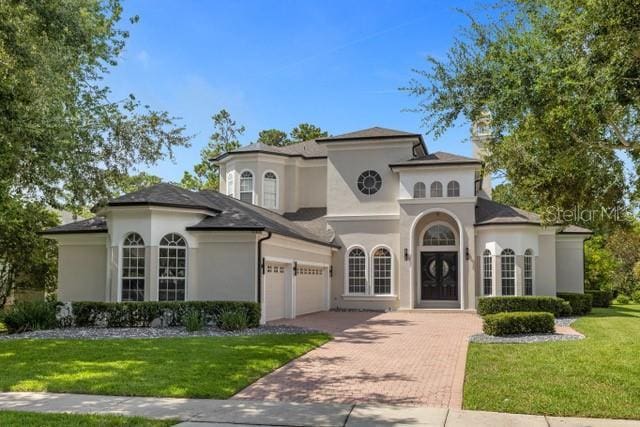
(274, 64)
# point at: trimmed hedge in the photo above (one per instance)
(141, 314)
(580, 303)
(518, 322)
(492, 305)
(601, 297)
(30, 316)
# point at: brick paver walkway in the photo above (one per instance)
(401, 358)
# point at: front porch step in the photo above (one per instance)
(437, 310)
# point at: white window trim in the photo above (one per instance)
(451, 182)
(372, 275)
(441, 190)
(277, 206)
(439, 248)
(533, 272)
(515, 272)
(253, 185)
(186, 265)
(120, 264)
(346, 271)
(483, 270)
(230, 180)
(414, 190)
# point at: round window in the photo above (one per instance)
(369, 182)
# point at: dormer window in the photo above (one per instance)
(419, 190)
(453, 189)
(436, 189)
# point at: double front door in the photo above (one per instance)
(439, 275)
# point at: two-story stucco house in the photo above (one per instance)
(369, 219)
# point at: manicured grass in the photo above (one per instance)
(595, 377)
(34, 419)
(169, 367)
(3, 328)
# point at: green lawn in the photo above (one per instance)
(34, 419)
(170, 367)
(3, 328)
(595, 377)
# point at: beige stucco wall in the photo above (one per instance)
(570, 263)
(226, 267)
(545, 266)
(344, 166)
(82, 269)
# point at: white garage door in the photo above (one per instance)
(311, 283)
(275, 291)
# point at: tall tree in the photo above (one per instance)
(305, 132)
(224, 138)
(561, 79)
(273, 137)
(63, 139)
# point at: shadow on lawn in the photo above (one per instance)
(616, 311)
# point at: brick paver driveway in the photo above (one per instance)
(412, 358)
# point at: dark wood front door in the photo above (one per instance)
(439, 275)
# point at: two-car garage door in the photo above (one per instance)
(309, 292)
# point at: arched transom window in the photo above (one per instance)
(246, 187)
(487, 272)
(419, 190)
(508, 272)
(357, 271)
(172, 268)
(436, 189)
(453, 189)
(270, 190)
(439, 235)
(528, 272)
(382, 271)
(132, 268)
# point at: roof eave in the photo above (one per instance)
(422, 165)
(359, 138)
(166, 205)
(45, 233)
(237, 153)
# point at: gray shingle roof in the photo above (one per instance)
(489, 212)
(313, 219)
(164, 194)
(92, 225)
(225, 213)
(306, 149)
(370, 133)
(438, 158)
(574, 229)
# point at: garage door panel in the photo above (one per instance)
(275, 291)
(311, 283)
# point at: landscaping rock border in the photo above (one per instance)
(528, 339)
(175, 332)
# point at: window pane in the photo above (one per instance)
(382, 272)
(132, 268)
(357, 272)
(508, 271)
(439, 235)
(172, 269)
(487, 277)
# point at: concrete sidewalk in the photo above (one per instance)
(218, 413)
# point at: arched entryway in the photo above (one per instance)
(437, 265)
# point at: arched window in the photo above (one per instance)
(439, 235)
(528, 272)
(132, 268)
(487, 272)
(436, 189)
(419, 190)
(453, 189)
(357, 271)
(270, 190)
(172, 268)
(246, 187)
(508, 272)
(382, 271)
(230, 184)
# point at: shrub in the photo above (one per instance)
(580, 303)
(141, 314)
(30, 316)
(518, 322)
(193, 320)
(493, 305)
(636, 297)
(623, 299)
(232, 320)
(601, 297)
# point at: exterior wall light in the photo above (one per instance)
(406, 254)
